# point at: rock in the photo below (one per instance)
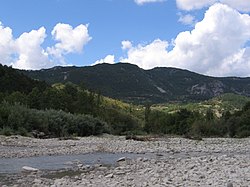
(29, 169)
(122, 159)
(190, 163)
(80, 165)
(38, 181)
(87, 166)
(120, 172)
(111, 175)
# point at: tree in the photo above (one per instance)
(209, 114)
(246, 107)
(34, 98)
(146, 117)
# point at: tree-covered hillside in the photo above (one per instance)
(130, 83)
(11, 81)
(57, 109)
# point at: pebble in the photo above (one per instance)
(212, 162)
(29, 169)
(121, 159)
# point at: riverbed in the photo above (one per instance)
(94, 161)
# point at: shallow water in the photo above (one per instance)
(55, 162)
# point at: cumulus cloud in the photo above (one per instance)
(194, 4)
(241, 5)
(26, 51)
(109, 59)
(31, 54)
(6, 44)
(141, 2)
(214, 47)
(148, 56)
(70, 40)
(126, 44)
(187, 19)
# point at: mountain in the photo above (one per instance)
(11, 80)
(132, 84)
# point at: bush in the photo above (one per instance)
(19, 119)
(22, 131)
(7, 131)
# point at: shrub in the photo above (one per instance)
(7, 131)
(22, 131)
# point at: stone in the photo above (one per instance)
(122, 159)
(111, 175)
(29, 169)
(38, 181)
(80, 165)
(229, 184)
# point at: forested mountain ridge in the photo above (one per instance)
(132, 84)
(11, 80)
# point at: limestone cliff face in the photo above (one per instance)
(209, 89)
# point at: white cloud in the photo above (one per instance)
(148, 56)
(31, 54)
(6, 44)
(221, 34)
(109, 59)
(214, 47)
(194, 4)
(241, 5)
(126, 44)
(70, 40)
(26, 51)
(187, 19)
(141, 2)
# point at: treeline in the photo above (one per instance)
(65, 107)
(18, 119)
(197, 125)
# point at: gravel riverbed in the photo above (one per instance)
(173, 162)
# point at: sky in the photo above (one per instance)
(210, 37)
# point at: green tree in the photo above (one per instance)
(209, 115)
(147, 112)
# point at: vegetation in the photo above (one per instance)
(130, 83)
(218, 105)
(11, 81)
(62, 110)
(194, 124)
(19, 119)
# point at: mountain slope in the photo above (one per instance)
(130, 83)
(11, 80)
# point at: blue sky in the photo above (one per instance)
(37, 34)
